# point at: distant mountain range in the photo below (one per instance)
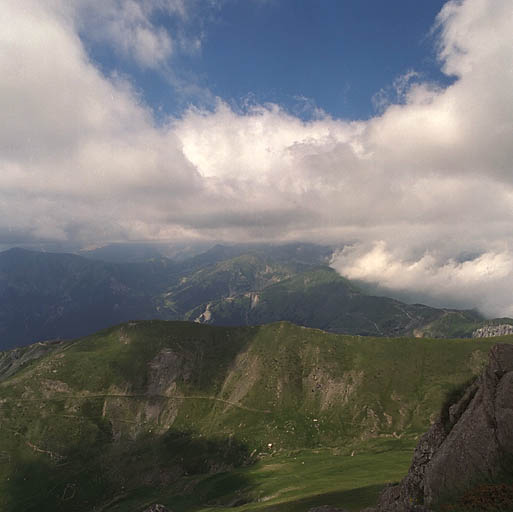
(52, 295)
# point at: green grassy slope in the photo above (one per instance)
(228, 278)
(317, 296)
(151, 410)
(292, 482)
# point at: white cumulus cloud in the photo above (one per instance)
(129, 27)
(483, 281)
(423, 192)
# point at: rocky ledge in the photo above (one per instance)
(489, 331)
(470, 444)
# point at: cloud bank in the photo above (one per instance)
(421, 195)
(483, 282)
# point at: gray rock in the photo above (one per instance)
(473, 443)
(488, 331)
(157, 508)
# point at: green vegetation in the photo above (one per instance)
(453, 396)
(178, 413)
(296, 481)
(452, 324)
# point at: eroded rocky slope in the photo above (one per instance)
(470, 444)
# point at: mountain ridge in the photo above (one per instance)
(52, 295)
(161, 395)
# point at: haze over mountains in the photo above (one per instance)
(51, 295)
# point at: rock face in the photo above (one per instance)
(488, 331)
(471, 443)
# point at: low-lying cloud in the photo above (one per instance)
(423, 192)
(482, 282)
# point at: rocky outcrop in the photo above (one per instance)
(488, 331)
(471, 443)
(12, 361)
(157, 508)
(168, 368)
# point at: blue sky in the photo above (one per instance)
(334, 55)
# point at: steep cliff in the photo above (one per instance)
(471, 444)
